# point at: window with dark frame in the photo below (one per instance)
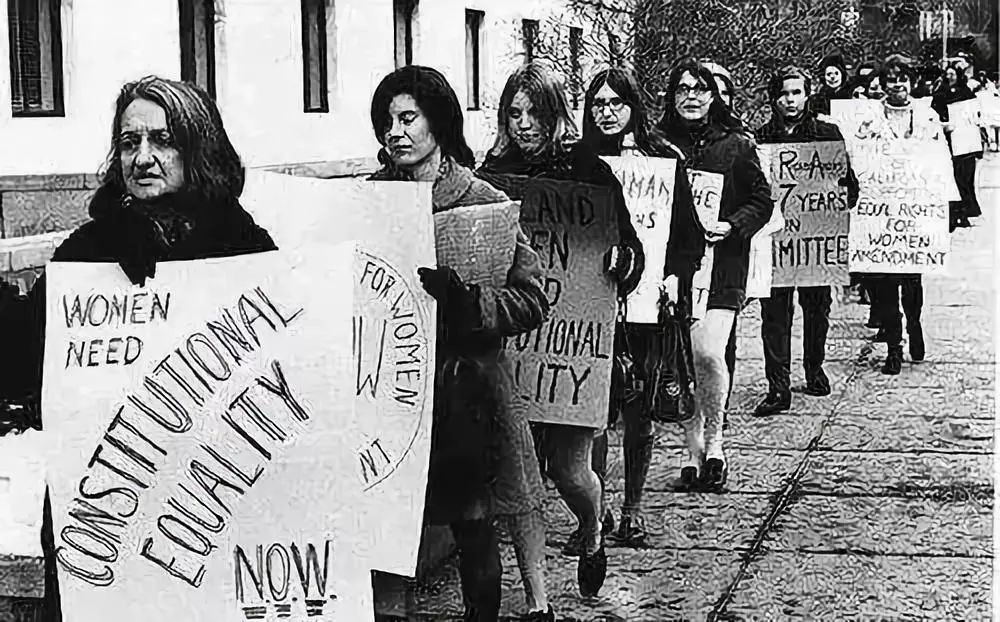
(473, 50)
(575, 49)
(197, 29)
(529, 34)
(402, 18)
(34, 30)
(314, 70)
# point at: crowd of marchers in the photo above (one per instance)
(170, 190)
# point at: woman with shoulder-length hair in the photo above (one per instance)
(169, 191)
(536, 138)
(615, 123)
(954, 88)
(482, 461)
(715, 141)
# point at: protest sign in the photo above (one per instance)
(989, 106)
(206, 414)
(812, 248)
(706, 189)
(562, 370)
(851, 114)
(394, 373)
(759, 268)
(648, 185)
(900, 224)
(22, 490)
(965, 135)
(478, 241)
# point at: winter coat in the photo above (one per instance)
(481, 448)
(809, 129)
(580, 164)
(746, 202)
(122, 235)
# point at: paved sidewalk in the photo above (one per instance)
(872, 503)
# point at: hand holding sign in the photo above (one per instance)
(717, 231)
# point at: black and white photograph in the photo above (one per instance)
(485, 310)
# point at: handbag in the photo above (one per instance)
(626, 382)
(670, 395)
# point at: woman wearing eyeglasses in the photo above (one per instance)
(715, 141)
(615, 123)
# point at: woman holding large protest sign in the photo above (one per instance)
(615, 122)
(954, 89)
(901, 120)
(482, 460)
(169, 191)
(716, 144)
(536, 138)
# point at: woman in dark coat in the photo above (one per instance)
(715, 141)
(170, 191)
(953, 89)
(835, 85)
(615, 123)
(482, 462)
(536, 138)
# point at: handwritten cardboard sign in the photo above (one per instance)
(900, 224)
(478, 241)
(759, 268)
(648, 184)
(812, 248)
(989, 105)
(200, 428)
(851, 114)
(393, 331)
(965, 135)
(706, 188)
(562, 370)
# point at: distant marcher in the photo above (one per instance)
(955, 89)
(834, 84)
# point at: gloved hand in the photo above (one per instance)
(458, 301)
(618, 261)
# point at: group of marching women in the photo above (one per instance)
(171, 189)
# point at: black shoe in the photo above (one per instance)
(688, 481)
(963, 223)
(631, 531)
(817, 384)
(893, 362)
(540, 616)
(917, 351)
(774, 403)
(879, 337)
(591, 572)
(714, 474)
(574, 544)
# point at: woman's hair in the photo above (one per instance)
(437, 102)
(788, 72)
(897, 63)
(545, 89)
(718, 112)
(960, 78)
(624, 84)
(212, 168)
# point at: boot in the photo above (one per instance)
(893, 361)
(591, 571)
(540, 616)
(817, 384)
(631, 530)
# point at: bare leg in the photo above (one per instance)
(570, 469)
(528, 532)
(708, 341)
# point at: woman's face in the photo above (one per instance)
(724, 93)
(152, 166)
(875, 89)
(897, 87)
(611, 113)
(833, 77)
(408, 139)
(951, 76)
(693, 97)
(523, 126)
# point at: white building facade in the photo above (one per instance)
(293, 79)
